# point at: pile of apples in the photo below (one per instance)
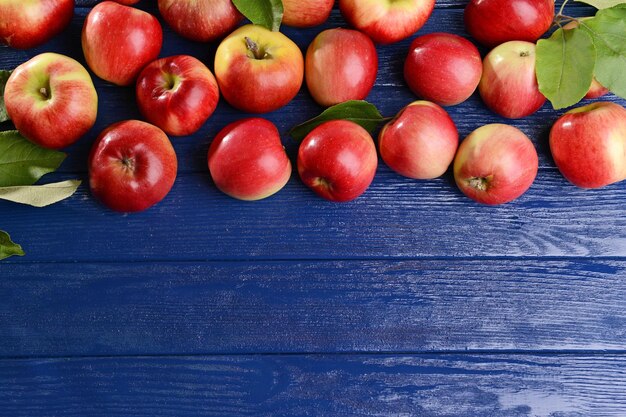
(52, 101)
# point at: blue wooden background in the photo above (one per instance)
(410, 301)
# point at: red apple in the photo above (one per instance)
(177, 94)
(247, 160)
(306, 13)
(589, 145)
(420, 142)
(127, 2)
(443, 68)
(341, 65)
(509, 84)
(132, 166)
(200, 20)
(257, 70)
(51, 100)
(118, 41)
(27, 24)
(492, 22)
(495, 164)
(387, 21)
(338, 160)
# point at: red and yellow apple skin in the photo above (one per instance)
(509, 84)
(495, 164)
(51, 100)
(132, 166)
(178, 94)
(337, 160)
(341, 65)
(387, 21)
(443, 68)
(247, 160)
(306, 13)
(27, 24)
(257, 70)
(492, 22)
(118, 41)
(200, 20)
(420, 142)
(588, 145)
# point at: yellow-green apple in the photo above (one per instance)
(443, 68)
(30, 23)
(495, 164)
(492, 22)
(387, 21)
(132, 166)
(51, 100)
(420, 142)
(257, 70)
(200, 20)
(338, 160)
(247, 160)
(341, 65)
(589, 145)
(118, 41)
(306, 13)
(509, 83)
(177, 94)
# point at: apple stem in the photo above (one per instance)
(480, 184)
(257, 52)
(44, 92)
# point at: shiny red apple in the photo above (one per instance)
(200, 20)
(420, 142)
(589, 145)
(26, 24)
(118, 41)
(337, 160)
(492, 22)
(495, 164)
(306, 13)
(443, 68)
(247, 160)
(51, 100)
(132, 166)
(341, 65)
(177, 94)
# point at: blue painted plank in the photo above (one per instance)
(341, 306)
(317, 385)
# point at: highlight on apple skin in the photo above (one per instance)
(338, 160)
(420, 142)
(306, 13)
(509, 84)
(443, 68)
(495, 164)
(247, 160)
(51, 100)
(588, 145)
(257, 70)
(200, 20)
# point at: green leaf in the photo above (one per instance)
(565, 64)
(609, 37)
(8, 247)
(357, 111)
(617, 12)
(40, 195)
(4, 76)
(22, 162)
(602, 4)
(268, 13)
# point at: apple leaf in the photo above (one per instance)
(608, 31)
(358, 111)
(565, 64)
(8, 247)
(40, 195)
(22, 162)
(267, 13)
(602, 4)
(4, 76)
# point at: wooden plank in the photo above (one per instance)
(277, 386)
(340, 306)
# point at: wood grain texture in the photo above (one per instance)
(287, 307)
(287, 386)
